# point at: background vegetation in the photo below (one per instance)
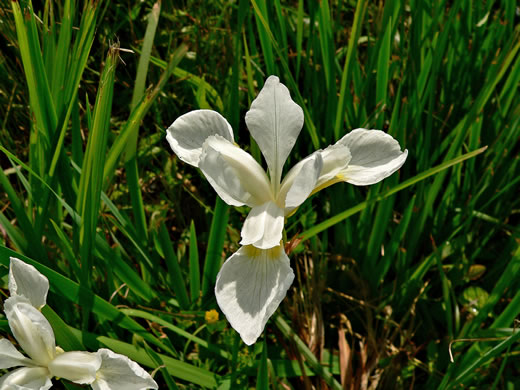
(390, 278)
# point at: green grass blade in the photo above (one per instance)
(217, 234)
(262, 379)
(346, 76)
(64, 337)
(89, 194)
(264, 34)
(138, 114)
(383, 66)
(194, 265)
(144, 58)
(174, 269)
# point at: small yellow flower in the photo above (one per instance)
(211, 316)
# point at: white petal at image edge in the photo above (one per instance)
(10, 356)
(117, 372)
(34, 378)
(189, 131)
(375, 156)
(250, 286)
(275, 121)
(27, 281)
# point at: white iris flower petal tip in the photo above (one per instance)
(117, 372)
(187, 134)
(27, 281)
(250, 286)
(375, 156)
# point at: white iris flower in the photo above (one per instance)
(254, 280)
(103, 370)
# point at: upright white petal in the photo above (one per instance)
(250, 286)
(299, 182)
(76, 366)
(10, 356)
(31, 329)
(26, 378)
(187, 134)
(235, 175)
(375, 155)
(335, 158)
(263, 226)
(27, 281)
(117, 372)
(275, 121)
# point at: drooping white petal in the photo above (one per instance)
(275, 121)
(10, 356)
(187, 134)
(375, 155)
(250, 286)
(263, 226)
(26, 378)
(118, 372)
(300, 181)
(76, 366)
(27, 281)
(235, 175)
(335, 158)
(31, 329)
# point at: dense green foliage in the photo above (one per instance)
(389, 278)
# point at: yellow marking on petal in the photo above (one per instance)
(271, 253)
(211, 316)
(336, 179)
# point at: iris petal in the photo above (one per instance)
(250, 286)
(27, 281)
(33, 378)
(300, 181)
(375, 156)
(275, 121)
(31, 329)
(117, 372)
(263, 226)
(234, 174)
(76, 366)
(9, 355)
(187, 134)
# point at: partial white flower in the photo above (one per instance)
(103, 370)
(36, 337)
(117, 372)
(250, 287)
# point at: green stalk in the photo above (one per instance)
(89, 193)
